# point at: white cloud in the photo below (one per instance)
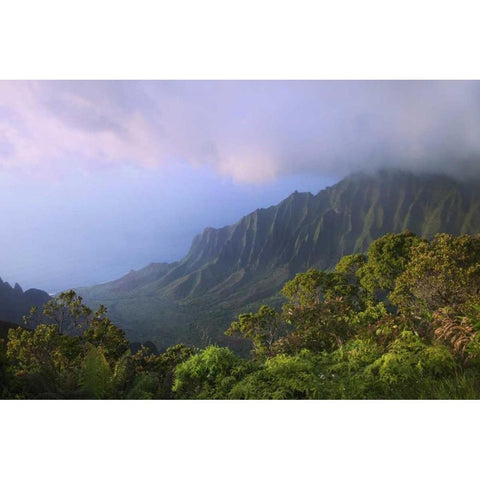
(251, 131)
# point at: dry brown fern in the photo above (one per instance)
(457, 332)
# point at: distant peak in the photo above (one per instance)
(297, 194)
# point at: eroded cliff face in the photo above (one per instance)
(230, 268)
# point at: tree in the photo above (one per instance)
(388, 257)
(263, 328)
(321, 310)
(442, 273)
(67, 355)
(460, 333)
(97, 377)
(315, 286)
(155, 373)
(211, 373)
(43, 362)
(319, 327)
(309, 288)
(66, 312)
(101, 332)
(408, 369)
(283, 377)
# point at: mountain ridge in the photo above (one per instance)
(14, 302)
(237, 266)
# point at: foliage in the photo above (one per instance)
(264, 328)
(459, 332)
(322, 310)
(282, 377)
(314, 286)
(402, 369)
(322, 326)
(442, 273)
(388, 257)
(66, 312)
(401, 322)
(236, 269)
(97, 374)
(211, 373)
(102, 333)
(93, 361)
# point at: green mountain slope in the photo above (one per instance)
(237, 267)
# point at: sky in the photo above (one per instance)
(100, 177)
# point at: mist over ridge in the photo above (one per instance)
(240, 266)
(99, 177)
(251, 131)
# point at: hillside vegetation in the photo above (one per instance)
(402, 321)
(244, 265)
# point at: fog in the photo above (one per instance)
(99, 177)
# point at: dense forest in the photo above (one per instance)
(399, 322)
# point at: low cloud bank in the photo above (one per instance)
(251, 131)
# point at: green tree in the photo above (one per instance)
(43, 362)
(154, 374)
(4, 393)
(97, 375)
(442, 273)
(321, 310)
(57, 360)
(408, 369)
(388, 258)
(283, 377)
(66, 312)
(211, 373)
(263, 328)
(101, 332)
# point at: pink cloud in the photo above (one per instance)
(250, 131)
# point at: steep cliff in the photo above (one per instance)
(230, 269)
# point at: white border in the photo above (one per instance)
(239, 440)
(260, 39)
(223, 40)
